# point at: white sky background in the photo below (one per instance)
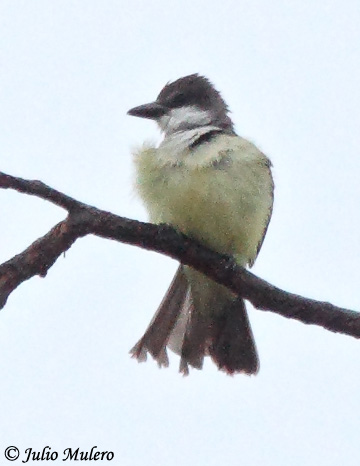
(69, 72)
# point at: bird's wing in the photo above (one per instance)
(268, 164)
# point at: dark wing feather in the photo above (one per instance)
(268, 164)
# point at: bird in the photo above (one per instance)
(216, 187)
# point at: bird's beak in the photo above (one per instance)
(154, 110)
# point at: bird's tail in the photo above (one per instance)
(197, 318)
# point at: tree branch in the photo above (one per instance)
(83, 220)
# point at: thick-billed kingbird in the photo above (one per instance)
(217, 188)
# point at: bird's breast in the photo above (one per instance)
(220, 194)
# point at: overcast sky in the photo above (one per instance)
(69, 71)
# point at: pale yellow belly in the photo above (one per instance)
(215, 208)
(226, 207)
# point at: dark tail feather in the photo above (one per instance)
(194, 343)
(233, 347)
(157, 334)
(227, 338)
(217, 326)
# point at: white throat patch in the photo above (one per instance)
(175, 146)
(184, 118)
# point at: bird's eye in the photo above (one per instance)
(178, 100)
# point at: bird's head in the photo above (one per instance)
(187, 103)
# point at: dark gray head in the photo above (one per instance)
(187, 103)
